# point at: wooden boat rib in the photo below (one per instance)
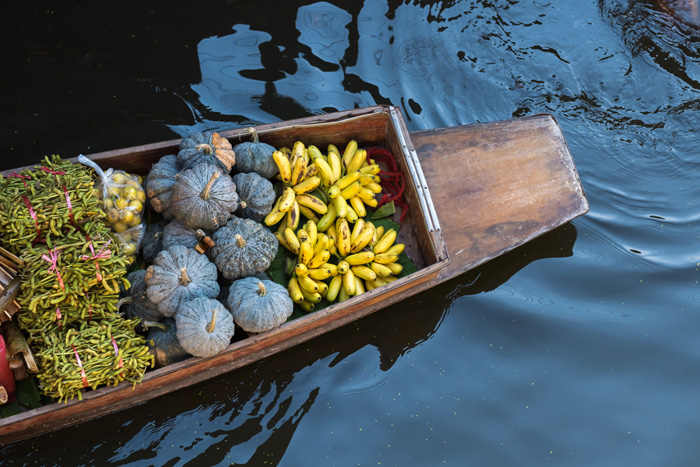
(492, 187)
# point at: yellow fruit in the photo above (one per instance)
(308, 185)
(358, 205)
(312, 202)
(397, 249)
(349, 152)
(334, 288)
(320, 259)
(343, 267)
(341, 206)
(385, 242)
(301, 270)
(349, 283)
(294, 290)
(395, 268)
(286, 200)
(385, 258)
(351, 190)
(307, 283)
(364, 272)
(382, 270)
(363, 257)
(283, 165)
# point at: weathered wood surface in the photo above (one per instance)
(494, 186)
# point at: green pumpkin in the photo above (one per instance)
(258, 305)
(159, 183)
(206, 147)
(257, 196)
(243, 248)
(204, 327)
(176, 233)
(177, 275)
(203, 197)
(152, 242)
(255, 157)
(163, 342)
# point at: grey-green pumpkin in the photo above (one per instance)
(243, 248)
(204, 327)
(159, 183)
(176, 233)
(255, 157)
(258, 305)
(163, 343)
(152, 242)
(256, 196)
(206, 147)
(136, 303)
(180, 274)
(204, 197)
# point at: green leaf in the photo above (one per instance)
(385, 210)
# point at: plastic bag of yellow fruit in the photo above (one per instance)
(123, 199)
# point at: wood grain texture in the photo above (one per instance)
(498, 185)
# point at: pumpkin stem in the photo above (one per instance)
(205, 148)
(252, 131)
(263, 291)
(125, 300)
(240, 241)
(155, 324)
(212, 323)
(207, 189)
(184, 278)
(243, 204)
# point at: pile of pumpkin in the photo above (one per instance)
(220, 232)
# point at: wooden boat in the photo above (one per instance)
(476, 192)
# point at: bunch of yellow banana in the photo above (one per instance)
(300, 176)
(369, 259)
(306, 286)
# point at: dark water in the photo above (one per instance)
(581, 348)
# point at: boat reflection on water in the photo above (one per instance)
(250, 415)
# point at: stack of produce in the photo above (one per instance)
(72, 271)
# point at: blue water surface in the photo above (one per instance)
(580, 348)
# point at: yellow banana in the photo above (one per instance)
(372, 169)
(307, 283)
(327, 220)
(311, 171)
(333, 192)
(336, 166)
(298, 170)
(366, 194)
(333, 288)
(292, 242)
(363, 257)
(374, 187)
(293, 216)
(314, 152)
(321, 243)
(379, 233)
(343, 267)
(341, 206)
(320, 259)
(297, 152)
(275, 215)
(378, 282)
(359, 286)
(358, 205)
(397, 249)
(302, 235)
(364, 272)
(301, 270)
(312, 202)
(347, 179)
(322, 273)
(283, 165)
(324, 170)
(286, 151)
(308, 213)
(363, 239)
(349, 283)
(385, 258)
(308, 185)
(357, 160)
(313, 297)
(351, 190)
(357, 229)
(351, 215)
(385, 242)
(349, 152)
(306, 305)
(332, 148)
(382, 270)
(390, 279)
(395, 268)
(343, 241)
(371, 202)
(332, 233)
(306, 252)
(366, 178)
(311, 230)
(286, 199)
(342, 295)
(294, 290)
(282, 241)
